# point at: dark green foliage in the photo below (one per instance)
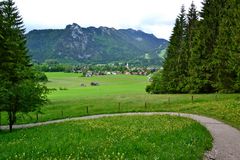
(194, 59)
(175, 64)
(52, 65)
(41, 77)
(205, 42)
(19, 90)
(203, 55)
(227, 50)
(155, 86)
(148, 88)
(75, 44)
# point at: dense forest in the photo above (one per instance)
(204, 51)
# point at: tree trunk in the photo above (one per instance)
(0, 119)
(12, 114)
(12, 119)
(10, 127)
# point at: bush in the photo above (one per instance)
(148, 88)
(156, 86)
(41, 77)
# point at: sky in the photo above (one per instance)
(151, 16)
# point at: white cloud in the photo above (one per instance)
(152, 16)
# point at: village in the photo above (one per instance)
(99, 70)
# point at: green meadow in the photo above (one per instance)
(125, 93)
(133, 137)
(130, 137)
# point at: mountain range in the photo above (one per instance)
(75, 44)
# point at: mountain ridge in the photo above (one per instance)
(76, 44)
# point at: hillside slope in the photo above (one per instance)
(75, 44)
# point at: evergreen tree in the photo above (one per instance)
(20, 90)
(192, 20)
(1, 29)
(182, 55)
(169, 73)
(175, 65)
(202, 78)
(2, 53)
(191, 37)
(203, 56)
(227, 51)
(196, 62)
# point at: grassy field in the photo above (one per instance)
(133, 137)
(126, 93)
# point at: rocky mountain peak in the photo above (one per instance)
(106, 30)
(76, 30)
(95, 45)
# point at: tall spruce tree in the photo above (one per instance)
(1, 51)
(191, 38)
(204, 56)
(175, 64)
(20, 90)
(192, 20)
(169, 70)
(236, 46)
(1, 29)
(227, 51)
(202, 78)
(182, 55)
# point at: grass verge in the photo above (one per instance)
(127, 137)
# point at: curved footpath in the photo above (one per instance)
(226, 145)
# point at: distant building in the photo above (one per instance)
(127, 66)
(127, 73)
(89, 74)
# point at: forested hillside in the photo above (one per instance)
(204, 51)
(75, 44)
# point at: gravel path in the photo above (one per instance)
(226, 145)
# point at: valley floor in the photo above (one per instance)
(126, 93)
